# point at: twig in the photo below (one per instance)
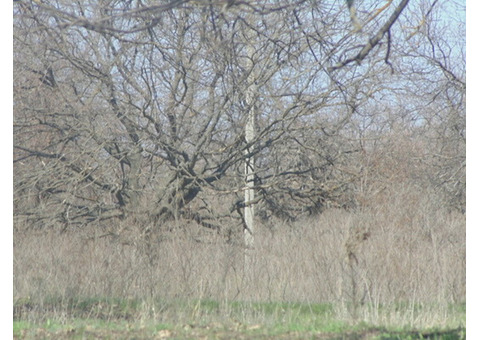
(375, 40)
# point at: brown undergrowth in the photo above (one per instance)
(386, 265)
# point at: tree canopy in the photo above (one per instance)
(136, 109)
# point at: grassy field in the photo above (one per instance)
(406, 281)
(136, 319)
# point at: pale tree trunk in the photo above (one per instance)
(249, 190)
(249, 211)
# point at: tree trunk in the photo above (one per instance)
(249, 212)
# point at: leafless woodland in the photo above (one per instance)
(129, 131)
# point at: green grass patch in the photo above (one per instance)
(454, 334)
(113, 318)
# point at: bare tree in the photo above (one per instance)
(145, 110)
(440, 98)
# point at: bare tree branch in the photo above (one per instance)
(375, 39)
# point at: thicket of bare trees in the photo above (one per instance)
(135, 111)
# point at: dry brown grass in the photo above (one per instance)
(367, 263)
